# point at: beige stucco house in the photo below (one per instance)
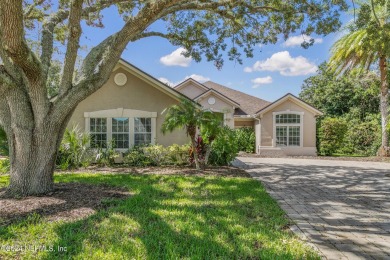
(128, 110)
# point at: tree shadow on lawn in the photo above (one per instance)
(180, 217)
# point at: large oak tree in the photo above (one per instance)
(35, 122)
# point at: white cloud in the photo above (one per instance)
(261, 81)
(196, 77)
(299, 39)
(176, 58)
(285, 64)
(166, 81)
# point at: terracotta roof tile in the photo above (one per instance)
(249, 104)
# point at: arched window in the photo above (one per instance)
(288, 128)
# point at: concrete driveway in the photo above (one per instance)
(341, 207)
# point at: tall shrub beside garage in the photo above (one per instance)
(331, 135)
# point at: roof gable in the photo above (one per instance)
(219, 95)
(249, 104)
(294, 99)
(188, 82)
(137, 72)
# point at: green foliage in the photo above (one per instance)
(4, 150)
(106, 156)
(191, 117)
(178, 154)
(4, 165)
(331, 135)
(363, 136)
(136, 157)
(74, 150)
(336, 96)
(225, 147)
(246, 139)
(157, 155)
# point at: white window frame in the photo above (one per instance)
(134, 132)
(301, 114)
(122, 113)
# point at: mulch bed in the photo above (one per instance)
(68, 202)
(223, 171)
(337, 158)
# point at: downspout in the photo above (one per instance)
(258, 147)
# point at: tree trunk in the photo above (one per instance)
(384, 149)
(33, 157)
(195, 151)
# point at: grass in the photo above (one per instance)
(168, 217)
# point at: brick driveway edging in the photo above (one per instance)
(340, 207)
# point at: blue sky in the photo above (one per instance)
(273, 71)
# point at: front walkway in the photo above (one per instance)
(341, 207)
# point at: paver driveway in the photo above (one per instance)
(341, 207)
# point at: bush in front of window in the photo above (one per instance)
(157, 155)
(136, 157)
(74, 150)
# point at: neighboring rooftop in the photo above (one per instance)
(249, 105)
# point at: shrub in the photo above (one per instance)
(246, 139)
(363, 138)
(136, 157)
(157, 154)
(224, 148)
(106, 156)
(4, 166)
(74, 150)
(178, 154)
(331, 135)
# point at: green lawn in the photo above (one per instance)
(168, 217)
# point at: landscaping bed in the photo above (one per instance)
(150, 216)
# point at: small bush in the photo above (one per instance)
(178, 154)
(246, 139)
(331, 135)
(157, 154)
(136, 157)
(4, 166)
(106, 156)
(74, 150)
(224, 148)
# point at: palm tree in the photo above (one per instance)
(364, 46)
(210, 129)
(189, 116)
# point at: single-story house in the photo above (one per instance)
(128, 111)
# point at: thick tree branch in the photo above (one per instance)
(47, 41)
(74, 31)
(13, 41)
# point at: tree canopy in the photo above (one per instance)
(337, 96)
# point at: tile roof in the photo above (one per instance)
(249, 105)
